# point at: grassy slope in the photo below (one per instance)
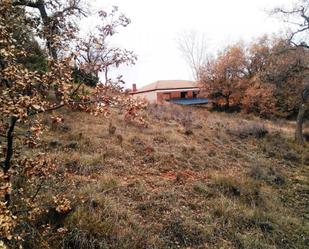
(166, 186)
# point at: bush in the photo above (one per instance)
(268, 175)
(245, 130)
(87, 78)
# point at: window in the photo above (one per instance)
(166, 96)
(183, 95)
(194, 95)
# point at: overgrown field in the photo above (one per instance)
(190, 179)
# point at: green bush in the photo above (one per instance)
(87, 78)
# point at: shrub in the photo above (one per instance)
(269, 175)
(251, 129)
(87, 78)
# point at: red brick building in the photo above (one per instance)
(165, 90)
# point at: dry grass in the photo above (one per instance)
(165, 187)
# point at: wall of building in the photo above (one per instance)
(160, 96)
(151, 97)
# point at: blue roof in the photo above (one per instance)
(196, 101)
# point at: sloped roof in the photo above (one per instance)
(168, 84)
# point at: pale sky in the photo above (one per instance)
(156, 23)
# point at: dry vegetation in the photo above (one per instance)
(185, 179)
(190, 179)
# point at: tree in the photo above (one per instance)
(57, 20)
(298, 19)
(94, 53)
(25, 95)
(264, 78)
(224, 77)
(274, 63)
(194, 50)
(258, 98)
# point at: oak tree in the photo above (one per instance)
(298, 19)
(224, 76)
(26, 94)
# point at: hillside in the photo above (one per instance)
(191, 179)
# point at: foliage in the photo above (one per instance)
(94, 53)
(264, 78)
(30, 87)
(88, 79)
(282, 67)
(224, 76)
(298, 18)
(258, 99)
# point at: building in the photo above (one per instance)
(177, 91)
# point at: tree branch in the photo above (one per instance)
(37, 191)
(47, 110)
(27, 3)
(7, 162)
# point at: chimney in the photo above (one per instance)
(134, 89)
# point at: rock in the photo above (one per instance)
(279, 180)
(54, 143)
(72, 145)
(93, 203)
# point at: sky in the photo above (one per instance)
(156, 24)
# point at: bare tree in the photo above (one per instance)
(193, 47)
(298, 19)
(96, 55)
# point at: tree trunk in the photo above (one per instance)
(106, 76)
(227, 103)
(47, 23)
(9, 154)
(299, 124)
(9, 150)
(301, 116)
